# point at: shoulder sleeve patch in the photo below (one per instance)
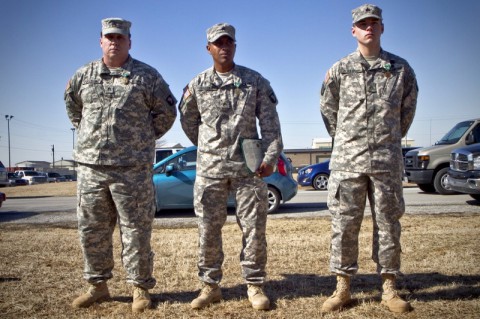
(186, 92)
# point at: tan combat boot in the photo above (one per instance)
(340, 297)
(390, 297)
(210, 293)
(96, 293)
(141, 299)
(257, 297)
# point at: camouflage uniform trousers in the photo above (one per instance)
(107, 194)
(347, 194)
(210, 199)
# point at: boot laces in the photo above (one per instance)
(140, 293)
(207, 289)
(255, 290)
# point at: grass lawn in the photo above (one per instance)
(41, 272)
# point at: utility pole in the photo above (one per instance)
(53, 156)
(8, 118)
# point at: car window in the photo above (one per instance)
(31, 173)
(184, 162)
(476, 134)
(187, 161)
(455, 133)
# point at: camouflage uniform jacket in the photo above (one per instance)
(216, 115)
(118, 114)
(368, 109)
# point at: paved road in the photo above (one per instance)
(307, 203)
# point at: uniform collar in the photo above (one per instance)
(234, 79)
(124, 70)
(382, 60)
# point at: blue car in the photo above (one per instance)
(315, 175)
(174, 176)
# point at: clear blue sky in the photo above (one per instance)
(291, 43)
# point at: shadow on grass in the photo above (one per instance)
(411, 287)
(12, 216)
(287, 208)
(9, 279)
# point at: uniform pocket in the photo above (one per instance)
(90, 91)
(92, 113)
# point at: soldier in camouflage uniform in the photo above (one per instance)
(368, 102)
(218, 109)
(119, 106)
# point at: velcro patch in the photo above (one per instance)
(273, 98)
(170, 100)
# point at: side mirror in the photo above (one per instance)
(470, 139)
(169, 169)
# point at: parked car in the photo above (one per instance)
(53, 177)
(70, 178)
(464, 172)
(427, 167)
(33, 177)
(174, 177)
(315, 175)
(3, 198)
(14, 180)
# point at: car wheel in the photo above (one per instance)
(320, 182)
(441, 184)
(427, 188)
(273, 199)
(475, 196)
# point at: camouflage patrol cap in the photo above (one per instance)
(116, 25)
(219, 30)
(366, 11)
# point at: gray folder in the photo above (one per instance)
(252, 152)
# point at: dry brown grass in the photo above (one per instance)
(41, 270)
(50, 189)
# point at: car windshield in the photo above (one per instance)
(455, 133)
